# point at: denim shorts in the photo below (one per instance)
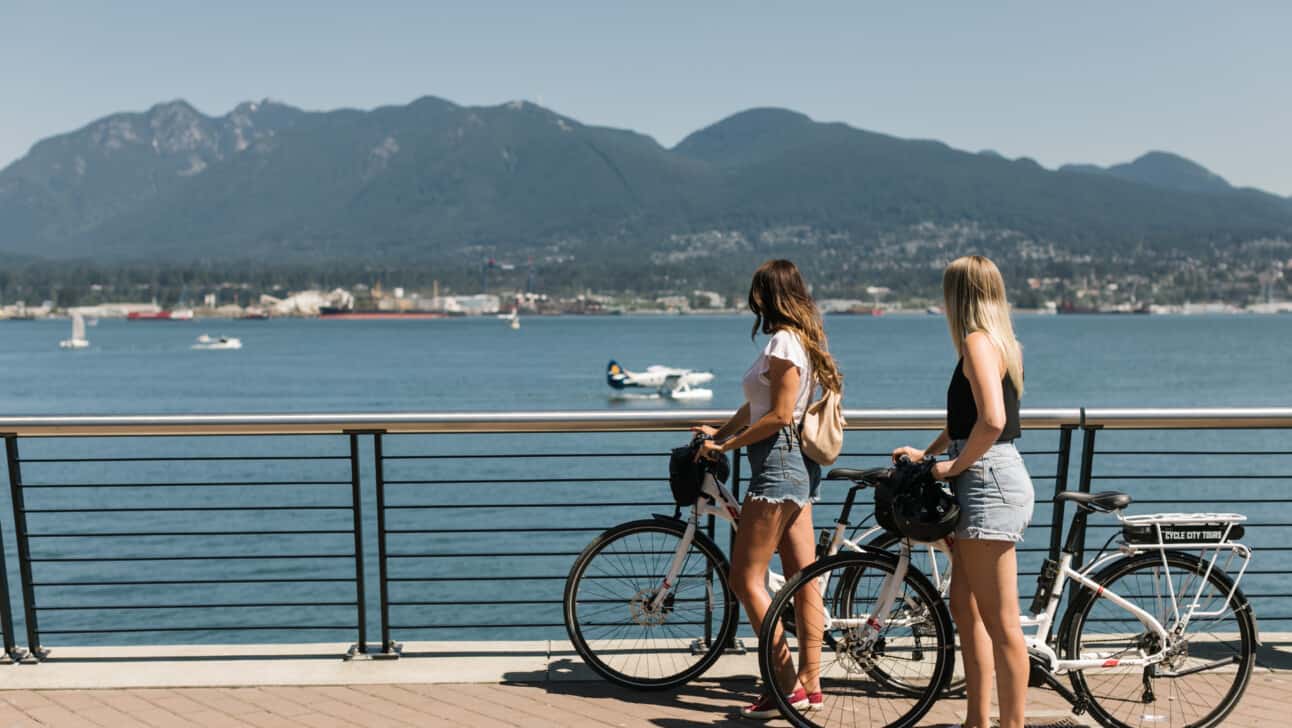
(779, 471)
(995, 495)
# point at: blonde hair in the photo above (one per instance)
(780, 302)
(974, 293)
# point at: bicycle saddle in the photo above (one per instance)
(869, 475)
(1104, 501)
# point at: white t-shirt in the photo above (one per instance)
(758, 390)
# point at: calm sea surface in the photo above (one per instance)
(549, 364)
(559, 363)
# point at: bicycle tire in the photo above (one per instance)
(1174, 710)
(643, 641)
(956, 685)
(838, 639)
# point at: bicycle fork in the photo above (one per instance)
(674, 567)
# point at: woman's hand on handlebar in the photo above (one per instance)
(708, 449)
(911, 454)
(705, 430)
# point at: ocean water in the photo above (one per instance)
(468, 524)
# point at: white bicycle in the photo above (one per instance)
(1153, 634)
(648, 606)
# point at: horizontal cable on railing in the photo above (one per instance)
(1191, 476)
(181, 582)
(582, 504)
(203, 484)
(1103, 452)
(526, 455)
(152, 534)
(491, 554)
(264, 605)
(494, 529)
(533, 625)
(490, 481)
(188, 509)
(196, 558)
(185, 459)
(143, 630)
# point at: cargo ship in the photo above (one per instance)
(179, 314)
(336, 313)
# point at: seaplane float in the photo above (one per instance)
(667, 382)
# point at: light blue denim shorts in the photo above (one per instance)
(779, 471)
(995, 495)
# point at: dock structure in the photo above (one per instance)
(354, 569)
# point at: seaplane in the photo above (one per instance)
(668, 383)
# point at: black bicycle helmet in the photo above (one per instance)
(686, 476)
(922, 509)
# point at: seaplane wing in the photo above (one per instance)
(655, 377)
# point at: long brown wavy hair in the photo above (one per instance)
(780, 302)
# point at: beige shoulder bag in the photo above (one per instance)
(822, 431)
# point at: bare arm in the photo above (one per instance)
(984, 368)
(738, 422)
(784, 379)
(937, 447)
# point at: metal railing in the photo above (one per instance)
(218, 534)
(463, 548)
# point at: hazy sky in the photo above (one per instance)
(1094, 82)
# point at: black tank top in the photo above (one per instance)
(962, 412)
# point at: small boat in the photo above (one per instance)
(78, 340)
(512, 319)
(207, 343)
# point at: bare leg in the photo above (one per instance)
(761, 526)
(798, 551)
(975, 645)
(991, 568)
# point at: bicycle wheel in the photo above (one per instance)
(925, 558)
(1207, 667)
(608, 612)
(858, 668)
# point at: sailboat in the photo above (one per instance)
(78, 340)
(512, 319)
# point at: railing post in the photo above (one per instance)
(734, 644)
(6, 609)
(1060, 485)
(1083, 486)
(388, 647)
(360, 648)
(24, 551)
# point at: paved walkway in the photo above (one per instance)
(492, 684)
(704, 703)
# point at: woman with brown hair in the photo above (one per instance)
(777, 512)
(991, 485)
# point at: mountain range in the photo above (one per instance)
(269, 182)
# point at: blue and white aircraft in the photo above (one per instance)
(668, 383)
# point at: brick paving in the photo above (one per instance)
(540, 704)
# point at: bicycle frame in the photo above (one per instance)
(1042, 623)
(722, 504)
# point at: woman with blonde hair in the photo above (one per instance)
(777, 512)
(991, 485)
